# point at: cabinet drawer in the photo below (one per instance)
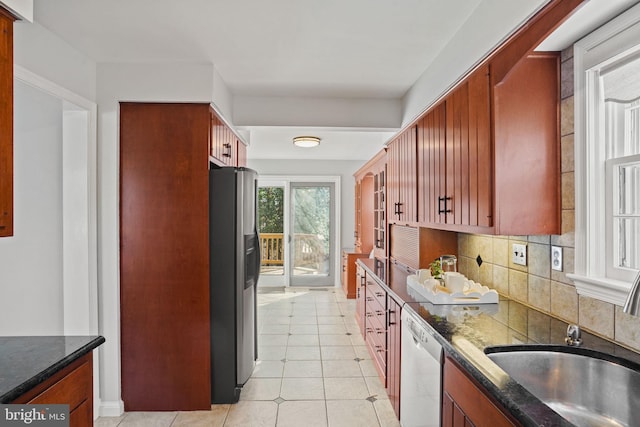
(73, 389)
(376, 292)
(82, 416)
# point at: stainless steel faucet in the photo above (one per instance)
(632, 305)
(573, 336)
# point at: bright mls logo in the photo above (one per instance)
(34, 415)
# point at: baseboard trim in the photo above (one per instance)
(111, 408)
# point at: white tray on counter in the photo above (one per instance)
(477, 294)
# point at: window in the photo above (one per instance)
(607, 156)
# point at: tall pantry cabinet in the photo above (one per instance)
(165, 154)
(164, 256)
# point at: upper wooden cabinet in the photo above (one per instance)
(370, 206)
(402, 206)
(488, 157)
(6, 123)
(379, 211)
(454, 157)
(224, 147)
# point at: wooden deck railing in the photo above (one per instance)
(309, 250)
(272, 248)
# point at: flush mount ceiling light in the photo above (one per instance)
(306, 141)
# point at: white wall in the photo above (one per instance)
(344, 168)
(31, 288)
(22, 8)
(316, 112)
(47, 55)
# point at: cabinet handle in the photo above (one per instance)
(389, 313)
(443, 201)
(227, 146)
(379, 294)
(369, 298)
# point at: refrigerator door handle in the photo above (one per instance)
(258, 256)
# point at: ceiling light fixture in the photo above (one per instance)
(306, 141)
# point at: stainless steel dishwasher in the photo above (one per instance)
(420, 374)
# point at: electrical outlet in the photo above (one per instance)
(519, 254)
(556, 258)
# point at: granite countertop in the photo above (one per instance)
(466, 330)
(27, 361)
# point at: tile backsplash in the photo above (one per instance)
(536, 284)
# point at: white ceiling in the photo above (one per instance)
(363, 49)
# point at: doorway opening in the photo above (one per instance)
(298, 225)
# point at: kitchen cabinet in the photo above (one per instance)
(164, 256)
(393, 354)
(6, 123)
(526, 147)
(73, 386)
(494, 169)
(357, 232)
(349, 272)
(402, 190)
(454, 161)
(361, 284)
(223, 143)
(379, 211)
(376, 326)
(370, 206)
(465, 403)
(382, 332)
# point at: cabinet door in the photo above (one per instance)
(164, 259)
(379, 209)
(361, 285)
(402, 186)
(481, 152)
(465, 404)
(357, 233)
(431, 165)
(393, 351)
(6, 124)
(469, 166)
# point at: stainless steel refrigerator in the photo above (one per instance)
(235, 267)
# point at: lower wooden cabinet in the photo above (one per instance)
(73, 386)
(465, 403)
(382, 336)
(393, 353)
(361, 284)
(349, 272)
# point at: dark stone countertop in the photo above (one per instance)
(466, 330)
(27, 361)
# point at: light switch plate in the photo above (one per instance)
(519, 254)
(556, 258)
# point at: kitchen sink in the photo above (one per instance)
(586, 387)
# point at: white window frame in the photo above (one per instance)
(615, 40)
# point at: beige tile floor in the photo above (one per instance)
(313, 370)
